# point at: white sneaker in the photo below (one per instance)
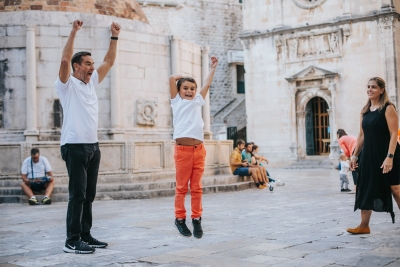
(280, 183)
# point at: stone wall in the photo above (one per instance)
(119, 159)
(286, 67)
(128, 9)
(142, 70)
(213, 23)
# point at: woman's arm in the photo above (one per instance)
(393, 125)
(359, 145)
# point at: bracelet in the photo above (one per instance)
(390, 155)
(354, 157)
(114, 38)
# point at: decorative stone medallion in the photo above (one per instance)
(308, 4)
(146, 112)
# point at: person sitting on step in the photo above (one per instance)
(37, 176)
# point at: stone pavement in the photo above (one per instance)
(300, 224)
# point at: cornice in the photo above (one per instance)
(340, 21)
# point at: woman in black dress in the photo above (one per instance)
(379, 164)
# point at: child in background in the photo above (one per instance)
(189, 152)
(344, 169)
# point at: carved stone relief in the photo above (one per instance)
(312, 46)
(146, 112)
(308, 4)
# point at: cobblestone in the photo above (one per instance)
(300, 224)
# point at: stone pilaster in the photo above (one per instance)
(206, 108)
(175, 66)
(116, 132)
(346, 8)
(31, 133)
(293, 128)
(388, 44)
(387, 6)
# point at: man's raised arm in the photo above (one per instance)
(65, 68)
(111, 53)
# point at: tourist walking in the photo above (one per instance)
(379, 164)
(79, 143)
(348, 143)
(189, 153)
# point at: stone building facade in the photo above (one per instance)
(216, 24)
(307, 67)
(135, 117)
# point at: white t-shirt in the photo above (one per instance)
(80, 110)
(344, 167)
(39, 167)
(187, 117)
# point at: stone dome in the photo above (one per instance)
(128, 9)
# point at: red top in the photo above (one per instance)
(348, 144)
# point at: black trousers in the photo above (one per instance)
(83, 161)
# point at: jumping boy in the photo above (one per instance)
(189, 153)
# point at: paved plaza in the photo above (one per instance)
(300, 224)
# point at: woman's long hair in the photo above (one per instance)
(384, 98)
(341, 132)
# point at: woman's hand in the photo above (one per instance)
(353, 165)
(387, 165)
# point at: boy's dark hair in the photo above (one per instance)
(247, 144)
(254, 147)
(34, 151)
(77, 58)
(185, 79)
(341, 132)
(239, 142)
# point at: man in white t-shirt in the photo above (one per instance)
(37, 176)
(79, 143)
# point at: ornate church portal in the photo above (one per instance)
(312, 113)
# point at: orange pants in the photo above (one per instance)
(189, 163)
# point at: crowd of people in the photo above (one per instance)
(245, 161)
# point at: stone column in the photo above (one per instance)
(175, 64)
(301, 132)
(116, 132)
(206, 108)
(334, 145)
(31, 133)
(293, 132)
(278, 8)
(388, 44)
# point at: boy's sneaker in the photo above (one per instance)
(182, 228)
(33, 201)
(280, 183)
(197, 230)
(343, 190)
(262, 186)
(347, 190)
(78, 247)
(93, 242)
(46, 201)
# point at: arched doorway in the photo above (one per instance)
(317, 127)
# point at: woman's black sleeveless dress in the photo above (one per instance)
(373, 187)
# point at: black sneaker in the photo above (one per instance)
(182, 228)
(93, 242)
(343, 190)
(347, 190)
(271, 188)
(197, 230)
(46, 201)
(33, 201)
(78, 247)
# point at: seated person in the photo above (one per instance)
(246, 157)
(36, 176)
(257, 159)
(241, 168)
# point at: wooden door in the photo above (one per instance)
(321, 126)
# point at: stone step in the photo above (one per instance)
(119, 195)
(312, 163)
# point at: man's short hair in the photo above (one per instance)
(247, 144)
(77, 58)
(239, 142)
(34, 151)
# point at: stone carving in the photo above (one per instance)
(320, 45)
(386, 22)
(308, 4)
(146, 112)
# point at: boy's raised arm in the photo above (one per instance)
(65, 68)
(172, 84)
(210, 76)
